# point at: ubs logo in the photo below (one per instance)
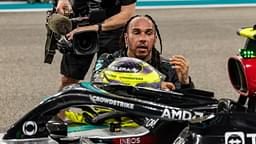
(234, 138)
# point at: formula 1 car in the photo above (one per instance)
(38, 126)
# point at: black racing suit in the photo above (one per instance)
(166, 132)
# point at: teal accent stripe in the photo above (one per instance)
(193, 2)
(140, 3)
(89, 86)
(79, 128)
(26, 6)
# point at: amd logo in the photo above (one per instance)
(177, 114)
(239, 137)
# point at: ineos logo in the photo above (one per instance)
(29, 128)
(132, 140)
(234, 138)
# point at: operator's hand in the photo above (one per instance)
(167, 86)
(70, 35)
(63, 7)
(63, 45)
(181, 65)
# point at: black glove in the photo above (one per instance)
(64, 45)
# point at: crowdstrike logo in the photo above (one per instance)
(97, 99)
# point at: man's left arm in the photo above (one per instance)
(120, 19)
(116, 21)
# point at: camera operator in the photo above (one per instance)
(117, 12)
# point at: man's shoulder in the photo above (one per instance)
(109, 57)
(105, 59)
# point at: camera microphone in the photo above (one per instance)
(59, 24)
(83, 42)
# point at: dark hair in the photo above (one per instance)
(155, 60)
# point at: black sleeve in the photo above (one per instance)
(127, 2)
(190, 85)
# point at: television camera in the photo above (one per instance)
(84, 13)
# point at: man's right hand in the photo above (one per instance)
(63, 7)
(167, 86)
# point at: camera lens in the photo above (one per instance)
(85, 43)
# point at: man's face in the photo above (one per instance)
(140, 38)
